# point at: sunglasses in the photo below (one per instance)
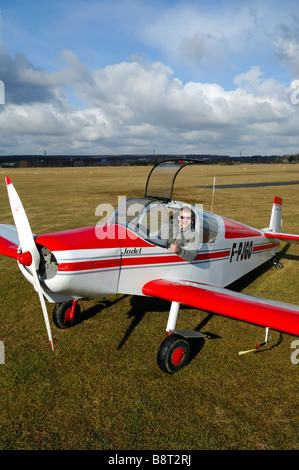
(185, 217)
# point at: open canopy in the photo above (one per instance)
(161, 178)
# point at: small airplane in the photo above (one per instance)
(128, 254)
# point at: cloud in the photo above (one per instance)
(196, 32)
(25, 83)
(221, 39)
(203, 48)
(287, 44)
(17, 88)
(135, 107)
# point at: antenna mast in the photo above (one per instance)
(213, 194)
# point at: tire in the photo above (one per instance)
(173, 354)
(60, 315)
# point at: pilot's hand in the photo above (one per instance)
(174, 247)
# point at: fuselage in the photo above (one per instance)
(96, 262)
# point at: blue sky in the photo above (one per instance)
(123, 76)
(102, 33)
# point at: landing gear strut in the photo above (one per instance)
(65, 315)
(174, 351)
(277, 263)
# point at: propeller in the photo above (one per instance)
(30, 255)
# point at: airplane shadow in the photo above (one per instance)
(139, 307)
(246, 280)
(272, 346)
(142, 305)
(95, 309)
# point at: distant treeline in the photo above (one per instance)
(23, 161)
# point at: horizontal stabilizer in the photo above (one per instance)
(278, 316)
(286, 237)
(9, 241)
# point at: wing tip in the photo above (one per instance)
(7, 179)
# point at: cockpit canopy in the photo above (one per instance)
(152, 219)
(153, 216)
(160, 181)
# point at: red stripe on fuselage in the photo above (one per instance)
(88, 265)
(268, 246)
(135, 261)
(171, 258)
(148, 260)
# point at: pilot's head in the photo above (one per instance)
(185, 217)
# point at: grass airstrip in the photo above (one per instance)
(101, 388)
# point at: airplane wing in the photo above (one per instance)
(279, 316)
(286, 237)
(9, 241)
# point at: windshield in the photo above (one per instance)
(144, 216)
(161, 178)
(155, 220)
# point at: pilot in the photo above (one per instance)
(183, 238)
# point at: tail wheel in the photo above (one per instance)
(173, 354)
(64, 317)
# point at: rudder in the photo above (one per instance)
(275, 221)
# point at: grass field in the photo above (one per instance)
(101, 388)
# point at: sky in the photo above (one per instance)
(83, 77)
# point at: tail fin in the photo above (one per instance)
(274, 230)
(275, 221)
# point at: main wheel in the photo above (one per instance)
(173, 354)
(61, 315)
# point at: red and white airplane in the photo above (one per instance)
(127, 255)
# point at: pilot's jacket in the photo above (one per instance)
(187, 240)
